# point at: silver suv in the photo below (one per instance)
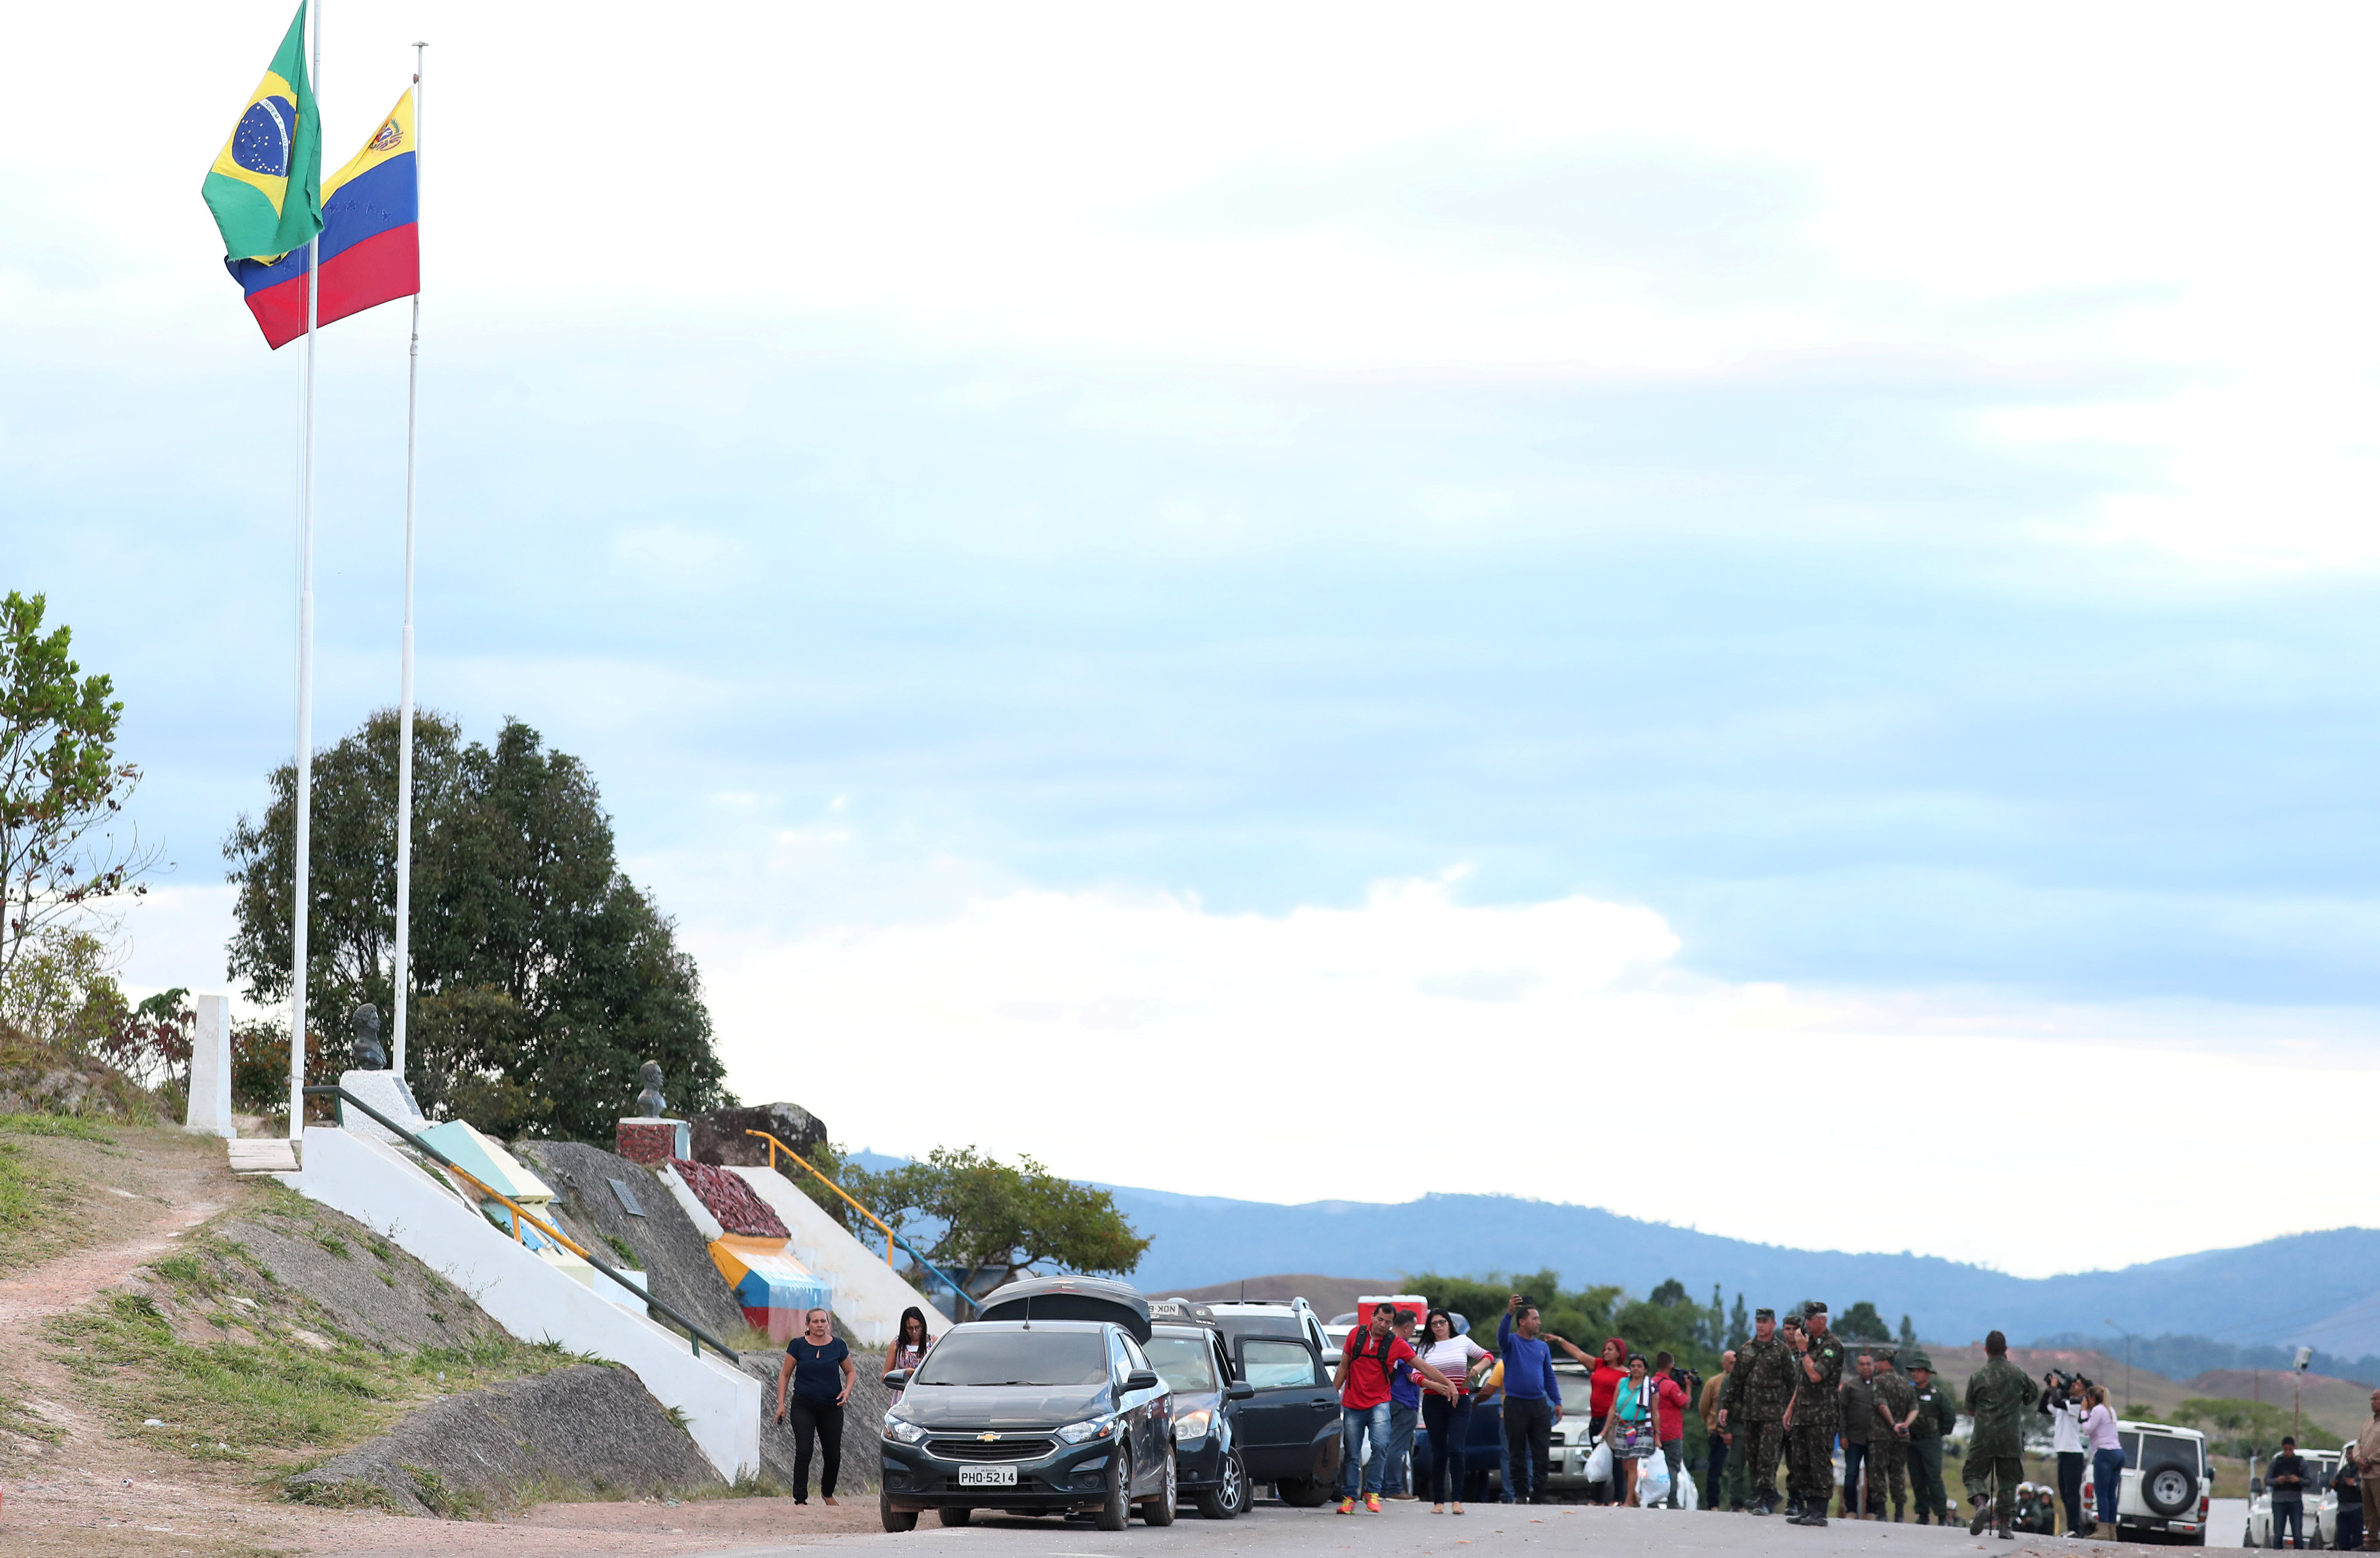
(2167, 1484)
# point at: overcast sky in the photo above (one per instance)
(1765, 619)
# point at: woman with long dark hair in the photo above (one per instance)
(909, 1345)
(1604, 1374)
(1447, 1413)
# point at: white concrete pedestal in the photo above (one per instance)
(209, 1111)
(386, 1091)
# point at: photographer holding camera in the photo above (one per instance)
(2063, 1403)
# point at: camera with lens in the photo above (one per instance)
(2061, 1381)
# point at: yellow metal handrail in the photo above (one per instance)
(776, 1146)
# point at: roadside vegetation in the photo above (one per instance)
(207, 1357)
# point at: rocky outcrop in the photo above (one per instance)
(589, 1432)
(718, 1136)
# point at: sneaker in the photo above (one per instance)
(1346, 1506)
(1372, 1503)
(1983, 1516)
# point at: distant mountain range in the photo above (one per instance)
(2248, 1308)
(2221, 1308)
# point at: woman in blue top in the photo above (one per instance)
(810, 1365)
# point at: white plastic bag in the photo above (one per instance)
(1652, 1479)
(1598, 1463)
(1689, 1496)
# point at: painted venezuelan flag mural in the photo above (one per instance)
(370, 243)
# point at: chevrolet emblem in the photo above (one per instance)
(988, 1438)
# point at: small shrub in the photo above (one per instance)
(335, 1244)
(626, 1251)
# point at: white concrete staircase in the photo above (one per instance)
(378, 1187)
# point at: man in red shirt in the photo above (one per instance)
(1669, 1419)
(1367, 1365)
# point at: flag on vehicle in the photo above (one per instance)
(265, 186)
(371, 252)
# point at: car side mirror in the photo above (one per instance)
(1331, 1357)
(1240, 1392)
(897, 1379)
(1141, 1380)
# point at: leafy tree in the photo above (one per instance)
(1738, 1324)
(151, 1043)
(541, 977)
(62, 794)
(1001, 1218)
(1908, 1333)
(62, 992)
(1861, 1322)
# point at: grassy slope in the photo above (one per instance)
(242, 1369)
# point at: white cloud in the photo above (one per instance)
(1548, 1049)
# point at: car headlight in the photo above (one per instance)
(902, 1429)
(1194, 1425)
(1096, 1427)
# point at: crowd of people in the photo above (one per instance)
(1783, 1397)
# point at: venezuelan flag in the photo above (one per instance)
(371, 248)
(263, 186)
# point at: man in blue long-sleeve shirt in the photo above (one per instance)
(1531, 1397)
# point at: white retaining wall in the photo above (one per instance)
(868, 1294)
(378, 1188)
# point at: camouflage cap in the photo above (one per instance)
(1883, 1354)
(1764, 1314)
(1812, 1306)
(1919, 1360)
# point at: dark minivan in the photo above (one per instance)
(1033, 1417)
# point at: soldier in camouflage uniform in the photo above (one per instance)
(1752, 1405)
(1936, 1417)
(2000, 1399)
(1812, 1419)
(1887, 1439)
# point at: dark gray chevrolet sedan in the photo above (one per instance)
(1038, 1416)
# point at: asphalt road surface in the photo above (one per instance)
(1409, 1531)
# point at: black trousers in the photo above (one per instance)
(2070, 1488)
(1450, 1428)
(819, 1421)
(1715, 1476)
(1529, 1437)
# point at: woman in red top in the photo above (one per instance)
(1604, 1375)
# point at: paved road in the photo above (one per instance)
(1408, 1530)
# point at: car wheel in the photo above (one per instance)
(1229, 1495)
(1117, 1509)
(1158, 1511)
(1303, 1492)
(956, 1516)
(894, 1519)
(2169, 1490)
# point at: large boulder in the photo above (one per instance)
(584, 1431)
(719, 1135)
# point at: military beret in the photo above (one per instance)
(1764, 1314)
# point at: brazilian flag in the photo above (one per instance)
(266, 185)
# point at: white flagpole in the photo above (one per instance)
(404, 673)
(304, 842)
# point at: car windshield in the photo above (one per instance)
(1187, 1363)
(1017, 1357)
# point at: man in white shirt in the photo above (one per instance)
(2063, 1404)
